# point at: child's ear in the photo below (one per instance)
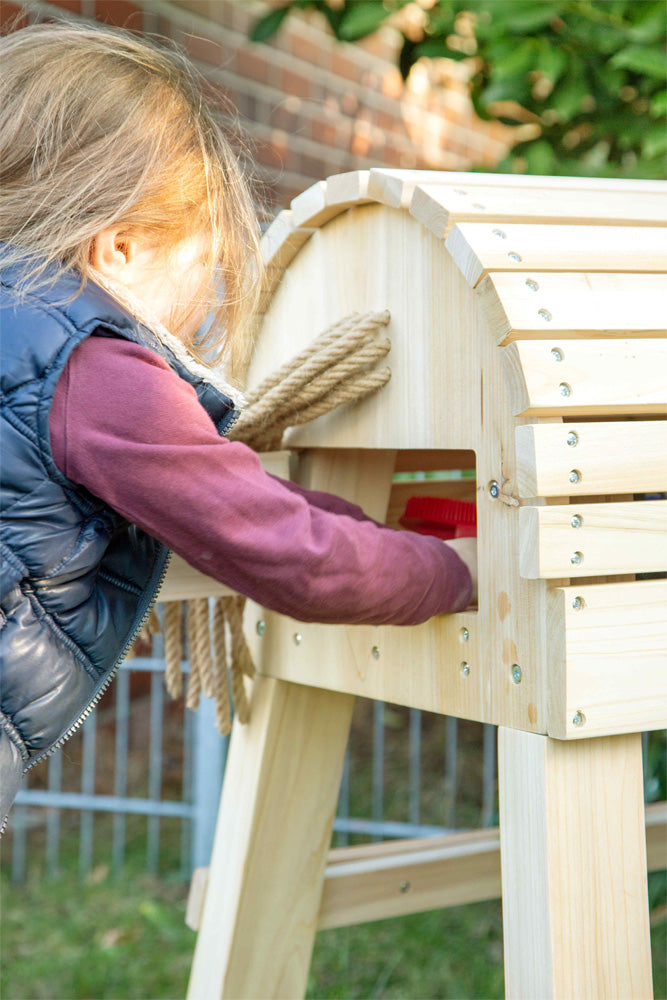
(109, 252)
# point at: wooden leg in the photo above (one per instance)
(574, 871)
(278, 804)
(273, 834)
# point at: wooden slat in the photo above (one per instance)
(607, 655)
(324, 200)
(477, 247)
(569, 304)
(439, 206)
(283, 239)
(395, 187)
(611, 538)
(617, 456)
(421, 460)
(592, 377)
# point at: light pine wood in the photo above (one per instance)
(400, 877)
(282, 240)
(394, 187)
(610, 538)
(617, 456)
(439, 206)
(608, 652)
(574, 872)
(479, 247)
(611, 377)
(568, 304)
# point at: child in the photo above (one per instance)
(126, 222)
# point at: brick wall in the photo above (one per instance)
(309, 105)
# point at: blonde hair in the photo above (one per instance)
(99, 127)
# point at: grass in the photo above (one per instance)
(119, 938)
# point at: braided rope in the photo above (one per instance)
(335, 369)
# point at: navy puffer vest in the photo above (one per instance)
(77, 580)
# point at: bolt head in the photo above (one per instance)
(298, 638)
(556, 354)
(465, 634)
(532, 284)
(545, 314)
(516, 673)
(565, 389)
(576, 520)
(572, 439)
(516, 257)
(578, 603)
(576, 558)
(494, 488)
(405, 886)
(465, 668)
(375, 652)
(260, 627)
(500, 233)
(578, 719)
(574, 476)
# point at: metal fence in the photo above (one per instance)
(135, 785)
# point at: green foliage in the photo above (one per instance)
(587, 76)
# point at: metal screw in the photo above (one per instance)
(578, 603)
(515, 256)
(577, 558)
(298, 638)
(516, 673)
(556, 354)
(459, 191)
(405, 886)
(465, 634)
(494, 488)
(375, 652)
(576, 520)
(572, 439)
(565, 389)
(574, 476)
(260, 627)
(532, 284)
(545, 314)
(578, 719)
(465, 668)
(500, 233)
(476, 204)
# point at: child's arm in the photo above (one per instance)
(125, 426)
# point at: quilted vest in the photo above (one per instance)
(77, 580)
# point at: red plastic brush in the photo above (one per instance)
(440, 517)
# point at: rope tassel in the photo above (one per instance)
(336, 368)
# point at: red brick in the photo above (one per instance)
(309, 51)
(72, 5)
(12, 17)
(324, 131)
(344, 67)
(313, 166)
(295, 83)
(254, 64)
(120, 13)
(206, 50)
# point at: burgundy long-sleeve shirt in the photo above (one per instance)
(128, 428)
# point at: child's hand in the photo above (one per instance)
(466, 549)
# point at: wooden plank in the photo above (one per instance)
(431, 460)
(574, 869)
(282, 240)
(607, 652)
(399, 877)
(478, 247)
(615, 456)
(569, 304)
(586, 376)
(601, 538)
(394, 187)
(439, 206)
(324, 200)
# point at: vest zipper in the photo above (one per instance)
(110, 676)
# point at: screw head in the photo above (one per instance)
(516, 673)
(545, 314)
(578, 719)
(375, 652)
(572, 439)
(260, 627)
(565, 389)
(459, 191)
(465, 668)
(298, 638)
(465, 634)
(556, 354)
(476, 204)
(574, 476)
(576, 520)
(515, 257)
(578, 603)
(494, 488)
(532, 284)
(405, 886)
(500, 233)
(577, 558)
